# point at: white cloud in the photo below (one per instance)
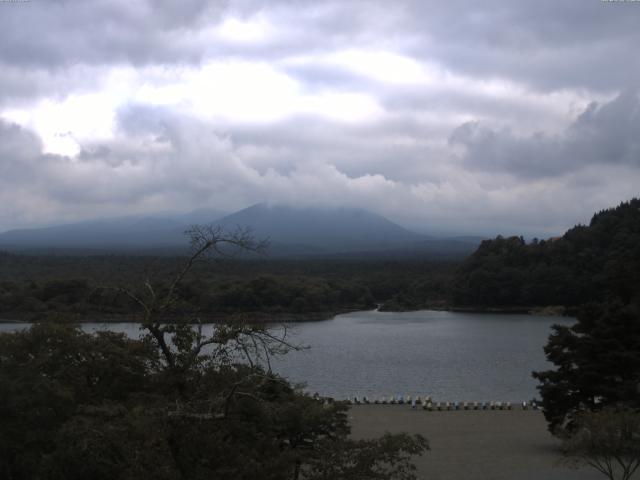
(251, 31)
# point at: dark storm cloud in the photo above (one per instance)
(53, 48)
(63, 33)
(607, 134)
(546, 44)
(20, 86)
(17, 142)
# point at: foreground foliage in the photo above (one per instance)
(597, 364)
(75, 405)
(179, 403)
(607, 440)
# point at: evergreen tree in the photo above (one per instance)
(597, 364)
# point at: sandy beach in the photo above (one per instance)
(470, 445)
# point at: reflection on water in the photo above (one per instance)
(451, 356)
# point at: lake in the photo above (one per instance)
(448, 355)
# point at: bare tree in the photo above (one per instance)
(182, 341)
(607, 440)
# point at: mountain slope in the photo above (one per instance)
(342, 229)
(292, 232)
(120, 232)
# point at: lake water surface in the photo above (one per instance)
(450, 356)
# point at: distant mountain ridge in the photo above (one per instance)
(292, 232)
(119, 232)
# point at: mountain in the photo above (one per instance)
(199, 216)
(121, 232)
(292, 232)
(316, 230)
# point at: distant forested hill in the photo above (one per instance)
(293, 232)
(81, 288)
(588, 263)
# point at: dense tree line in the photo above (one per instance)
(81, 298)
(588, 263)
(591, 398)
(81, 288)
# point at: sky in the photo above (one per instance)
(468, 117)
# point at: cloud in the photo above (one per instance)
(546, 45)
(568, 44)
(62, 33)
(161, 161)
(458, 116)
(605, 134)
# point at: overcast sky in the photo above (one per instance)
(461, 116)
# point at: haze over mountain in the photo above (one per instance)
(332, 229)
(108, 233)
(291, 232)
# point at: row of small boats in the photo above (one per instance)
(427, 403)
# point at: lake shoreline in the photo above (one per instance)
(547, 310)
(288, 317)
(254, 317)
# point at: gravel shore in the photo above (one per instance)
(470, 445)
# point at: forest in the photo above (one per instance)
(589, 262)
(79, 288)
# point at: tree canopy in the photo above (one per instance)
(588, 263)
(178, 403)
(597, 364)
